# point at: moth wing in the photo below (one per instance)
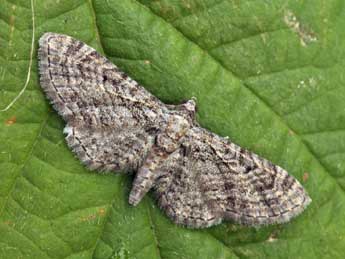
(211, 179)
(108, 114)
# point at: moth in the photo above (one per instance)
(113, 124)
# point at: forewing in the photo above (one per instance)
(109, 116)
(210, 179)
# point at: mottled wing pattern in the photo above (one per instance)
(108, 114)
(115, 124)
(211, 179)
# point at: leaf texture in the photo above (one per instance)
(268, 74)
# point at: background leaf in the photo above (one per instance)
(269, 74)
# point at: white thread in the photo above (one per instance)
(30, 62)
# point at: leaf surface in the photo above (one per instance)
(268, 74)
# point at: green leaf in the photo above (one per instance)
(269, 74)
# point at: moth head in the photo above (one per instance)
(176, 127)
(190, 105)
(189, 108)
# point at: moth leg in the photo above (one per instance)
(147, 175)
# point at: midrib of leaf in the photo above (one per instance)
(98, 38)
(153, 227)
(263, 102)
(148, 210)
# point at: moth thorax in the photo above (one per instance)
(189, 108)
(189, 105)
(175, 129)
